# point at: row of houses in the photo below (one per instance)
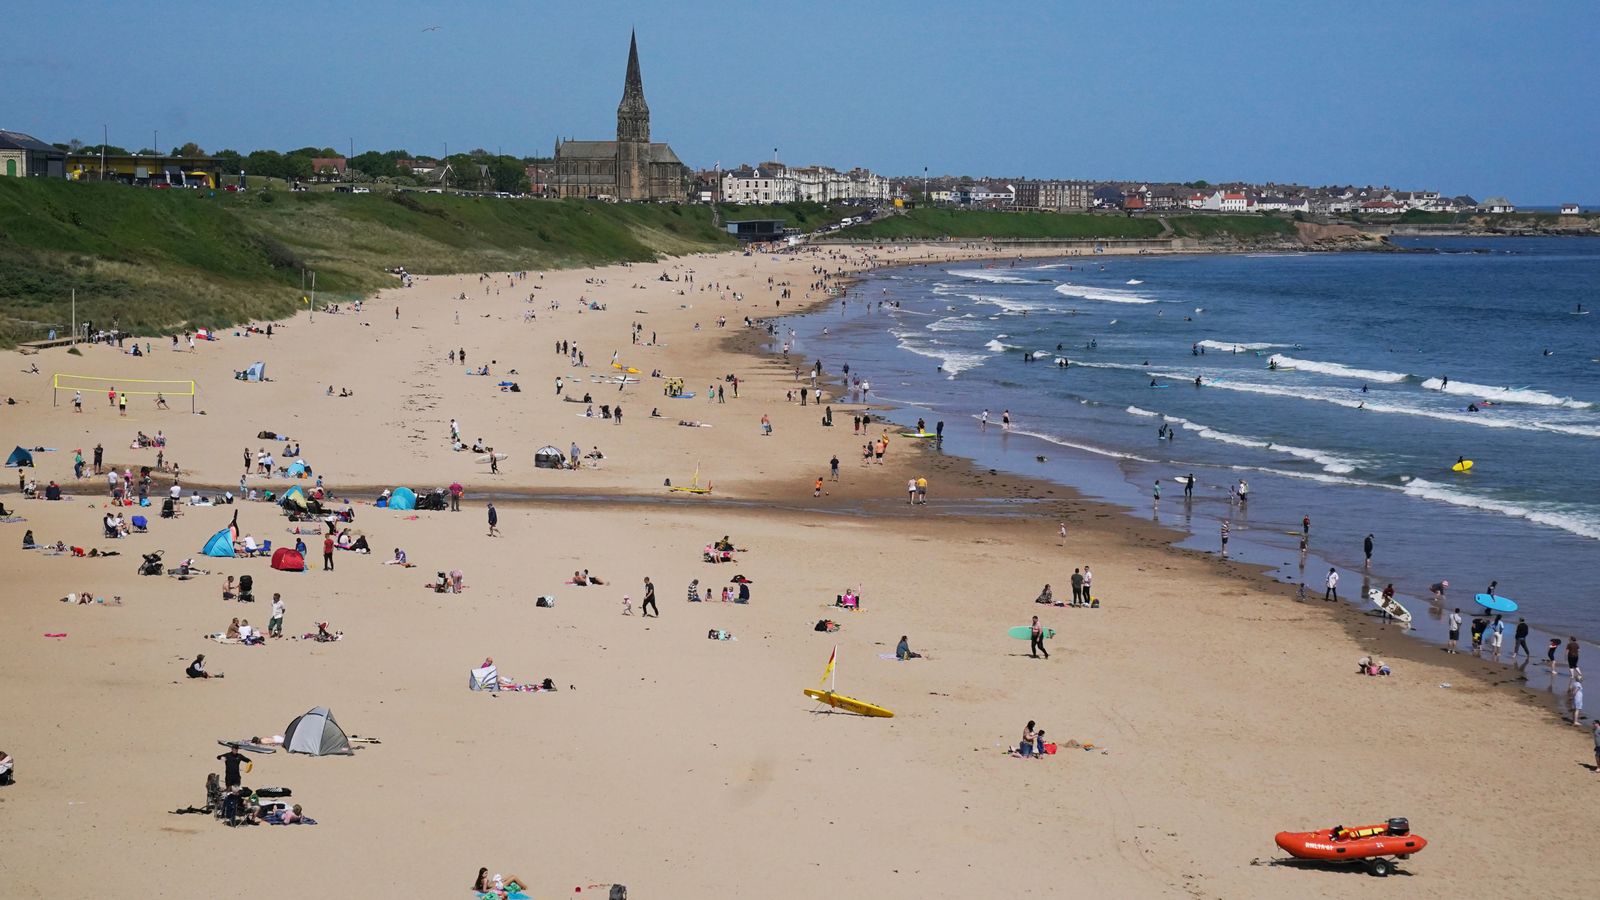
(1232, 198)
(775, 182)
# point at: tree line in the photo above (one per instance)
(475, 170)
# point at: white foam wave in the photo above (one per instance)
(1330, 463)
(1134, 410)
(1108, 295)
(1337, 370)
(998, 347)
(1504, 394)
(1566, 520)
(1134, 281)
(951, 361)
(1231, 346)
(1014, 306)
(991, 277)
(1087, 448)
(966, 322)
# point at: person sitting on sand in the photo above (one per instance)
(903, 650)
(197, 669)
(724, 545)
(1030, 745)
(324, 635)
(229, 592)
(233, 633)
(399, 559)
(1045, 596)
(694, 591)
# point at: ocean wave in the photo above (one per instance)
(1109, 295)
(1087, 448)
(1014, 306)
(1504, 394)
(998, 347)
(1338, 371)
(1136, 411)
(1330, 463)
(991, 277)
(1566, 520)
(951, 360)
(967, 322)
(1231, 346)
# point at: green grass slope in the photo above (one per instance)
(158, 260)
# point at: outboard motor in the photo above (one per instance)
(1399, 827)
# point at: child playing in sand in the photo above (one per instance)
(627, 605)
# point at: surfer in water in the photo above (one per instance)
(1197, 381)
(1444, 382)
(1272, 365)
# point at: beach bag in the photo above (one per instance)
(545, 601)
(1050, 748)
(619, 892)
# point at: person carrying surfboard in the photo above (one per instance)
(1036, 636)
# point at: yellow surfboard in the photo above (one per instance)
(849, 704)
(1464, 466)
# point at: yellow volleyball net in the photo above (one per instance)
(145, 387)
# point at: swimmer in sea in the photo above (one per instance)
(1197, 381)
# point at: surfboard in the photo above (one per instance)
(250, 746)
(687, 395)
(1182, 479)
(1160, 385)
(1392, 607)
(848, 704)
(1496, 603)
(1025, 632)
(1463, 466)
(912, 434)
(690, 490)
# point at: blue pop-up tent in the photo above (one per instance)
(403, 498)
(256, 372)
(296, 469)
(19, 457)
(221, 543)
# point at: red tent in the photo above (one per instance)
(287, 560)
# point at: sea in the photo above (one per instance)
(1341, 387)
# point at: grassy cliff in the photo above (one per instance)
(158, 260)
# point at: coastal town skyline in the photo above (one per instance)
(1241, 114)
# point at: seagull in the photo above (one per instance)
(431, 28)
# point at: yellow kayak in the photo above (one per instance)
(849, 704)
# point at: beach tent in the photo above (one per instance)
(403, 498)
(286, 559)
(485, 679)
(295, 496)
(221, 543)
(317, 734)
(549, 458)
(257, 372)
(296, 468)
(19, 457)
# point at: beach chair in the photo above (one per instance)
(485, 679)
(141, 524)
(266, 549)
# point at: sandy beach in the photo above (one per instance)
(1219, 709)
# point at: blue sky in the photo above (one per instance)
(1464, 96)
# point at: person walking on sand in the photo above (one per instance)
(1497, 634)
(1572, 658)
(649, 600)
(1332, 590)
(911, 491)
(122, 405)
(1061, 529)
(1224, 538)
(1455, 636)
(1366, 548)
(816, 488)
(327, 553)
(1575, 698)
(833, 466)
(275, 623)
(1036, 633)
(1521, 638)
(494, 522)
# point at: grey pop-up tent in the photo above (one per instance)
(549, 458)
(317, 734)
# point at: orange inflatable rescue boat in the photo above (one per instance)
(1374, 845)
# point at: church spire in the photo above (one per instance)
(633, 114)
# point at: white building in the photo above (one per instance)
(777, 183)
(1570, 209)
(1226, 201)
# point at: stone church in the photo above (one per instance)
(628, 168)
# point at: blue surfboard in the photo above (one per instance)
(1497, 603)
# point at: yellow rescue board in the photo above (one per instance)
(1464, 466)
(849, 704)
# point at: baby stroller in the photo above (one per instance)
(247, 584)
(151, 564)
(167, 511)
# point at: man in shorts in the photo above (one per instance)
(1455, 633)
